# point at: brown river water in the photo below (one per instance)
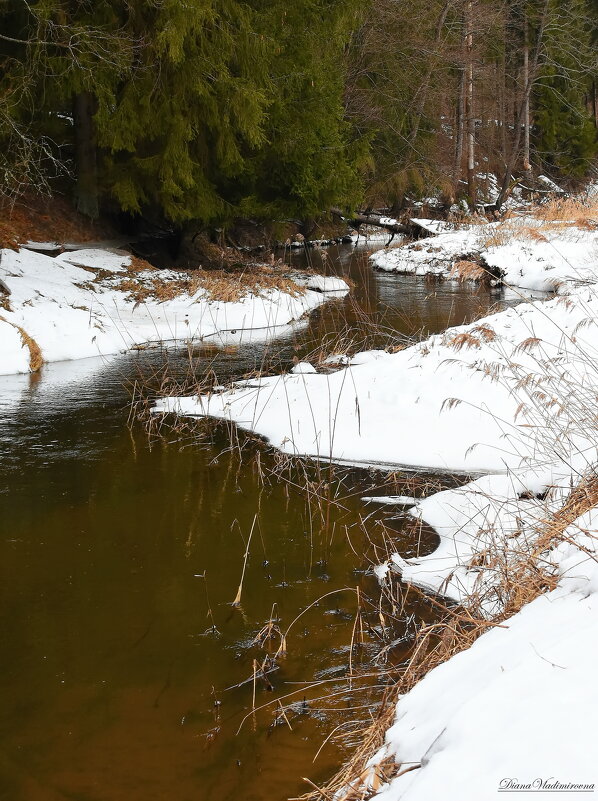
(121, 653)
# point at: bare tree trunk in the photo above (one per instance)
(503, 99)
(86, 189)
(526, 100)
(520, 117)
(422, 92)
(459, 129)
(469, 110)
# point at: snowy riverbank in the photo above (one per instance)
(514, 712)
(524, 252)
(95, 302)
(514, 396)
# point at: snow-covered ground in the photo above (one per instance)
(516, 711)
(87, 303)
(512, 396)
(524, 252)
(397, 408)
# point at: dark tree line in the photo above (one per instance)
(208, 110)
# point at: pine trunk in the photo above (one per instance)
(86, 189)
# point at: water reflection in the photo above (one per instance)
(117, 556)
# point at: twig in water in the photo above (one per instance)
(237, 601)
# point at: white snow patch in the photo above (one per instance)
(517, 707)
(70, 314)
(392, 500)
(327, 283)
(303, 368)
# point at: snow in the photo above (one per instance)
(304, 368)
(396, 409)
(322, 283)
(14, 355)
(512, 397)
(550, 184)
(524, 253)
(518, 706)
(95, 258)
(73, 307)
(433, 226)
(435, 255)
(399, 500)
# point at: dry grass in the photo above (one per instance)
(36, 358)
(464, 340)
(468, 271)
(44, 219)
(220, 285)
(583, 213)
(545, 218)
(485, 332)
(522, 580)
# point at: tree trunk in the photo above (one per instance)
(520, 117)
(469, 111)
(526, 101)
(459, 132)
(422, 93)
(373, 219)
(86, 189)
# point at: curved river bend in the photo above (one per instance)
(121, 653)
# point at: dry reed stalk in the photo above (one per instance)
(523, 581)
(237, 601)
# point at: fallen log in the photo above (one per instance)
(377, 220)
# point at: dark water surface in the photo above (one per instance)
(117, 558)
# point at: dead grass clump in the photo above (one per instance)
(485, 332)
(527, 232)
(139, 265)
(356, 781)
(465, 270)
(583, 213)
(581, 499)
(499, 236)
(232, 286)
(528, 344)
(36, 358)
(220, 285)
(463, 340)
(433, 645)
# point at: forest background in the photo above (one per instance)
(199, 112)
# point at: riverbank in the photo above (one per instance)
(513, 396)
(92, 302)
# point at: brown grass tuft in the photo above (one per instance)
(528, 344)
(485, 332)
(36, 358)
(468, 271)
(220, 285)
(464, 340)
(583, 213)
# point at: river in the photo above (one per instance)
(121, 555)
